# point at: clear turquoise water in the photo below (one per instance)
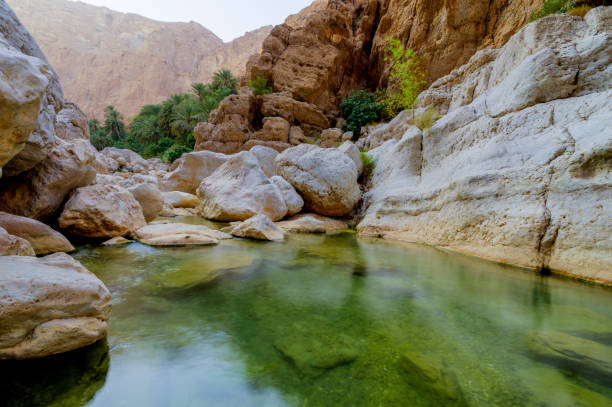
(321, 321)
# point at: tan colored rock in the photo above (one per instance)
(296, 136)
(71, 123)
(274, 129)
(128, 160)
(150, 199)
(117, 241)
(238, 190)
(265, 157)
(293, 200)
(331, 138)
(325, 177)
(259, 227)
(178, 199)
(42, 238)
(312, 223)
(102, 211)
(105, 165)
(14, 246)
(39, 192)
(190, 170)
(514, 172)
(49, 305)
(179, 234)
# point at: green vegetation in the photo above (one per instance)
(260, 86)
(406, 79)
(368, 164)
(164, 130)
(358, 110)
(425, 120)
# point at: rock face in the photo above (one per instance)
(325, 177)
(14, 246)
(238, 190)
(102, 211)
(190, 170)
(142, 61)
(259, 227)
(41, 237)
(518, 170)
(49, 305)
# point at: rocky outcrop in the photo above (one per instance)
(41, 237)
(127, 60)
(259, 227)
(239, 190)
(245, 120)
(325, 177)
(13, 245)
(190, 170)
(102, 211)
(518, 170)
(49, 305)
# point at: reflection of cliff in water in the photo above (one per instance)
(70, 379)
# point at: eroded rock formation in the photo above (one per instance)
(518, 170)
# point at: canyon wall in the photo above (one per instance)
(106, 57)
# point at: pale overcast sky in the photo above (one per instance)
(226, 18)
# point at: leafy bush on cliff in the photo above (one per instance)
(406, 79)
(260, 86)
(164, 130)
(368, 164)
(358, 110)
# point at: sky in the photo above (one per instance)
(228, 19)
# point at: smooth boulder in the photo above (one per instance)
(179, 234)
(150, 199)
(14, 246)
(325, 177)
(190, 170)
(49, 305)
(312, 223)
(177, 199)
(239, 190)
(42, 238)
(102, 211)
(293, 200)
(259, 227)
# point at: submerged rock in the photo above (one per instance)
(117, 241)
(190, 170)
(102, 211)
(14, 246)
(179, 234)
(259, 227)
(43, 239)
(325, 177)
(312, 223)
(49, 305)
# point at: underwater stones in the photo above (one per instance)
(313, 352)
(583, 356)
(43, 239)
(49, 305)
(259, 227)
(179, 234)
(116, 241)
(431, 375)
(312, 223)
(102, 211)
(178, 199)
(238, 190)
(325, 177)
(14, 246)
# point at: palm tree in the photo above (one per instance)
(185, 117)
(113, 123)
(224, 79)
(201, 90)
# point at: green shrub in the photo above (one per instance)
(426, 120)
(260, 86)
(368, 164)
(358, 110)
(553, 7)
(406, 79)
(175, 152)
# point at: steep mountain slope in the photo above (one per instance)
(106, 57)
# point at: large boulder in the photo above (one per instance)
(293, 200)
(127, 159)
(150, 199)
(102, 211)
(325, 177)
(190, 170)
(351, 150)
(176, 199)
(71, 123)
(259, 227)
(49, 305)
(42, 238)
(238, 190)
(14, 246)
(40, 192)
(518, 170)
(265, 156)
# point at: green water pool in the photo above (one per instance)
(332, 320)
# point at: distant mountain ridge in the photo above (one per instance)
(105, 57)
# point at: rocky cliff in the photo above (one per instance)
(519, 169)
(105, 57)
